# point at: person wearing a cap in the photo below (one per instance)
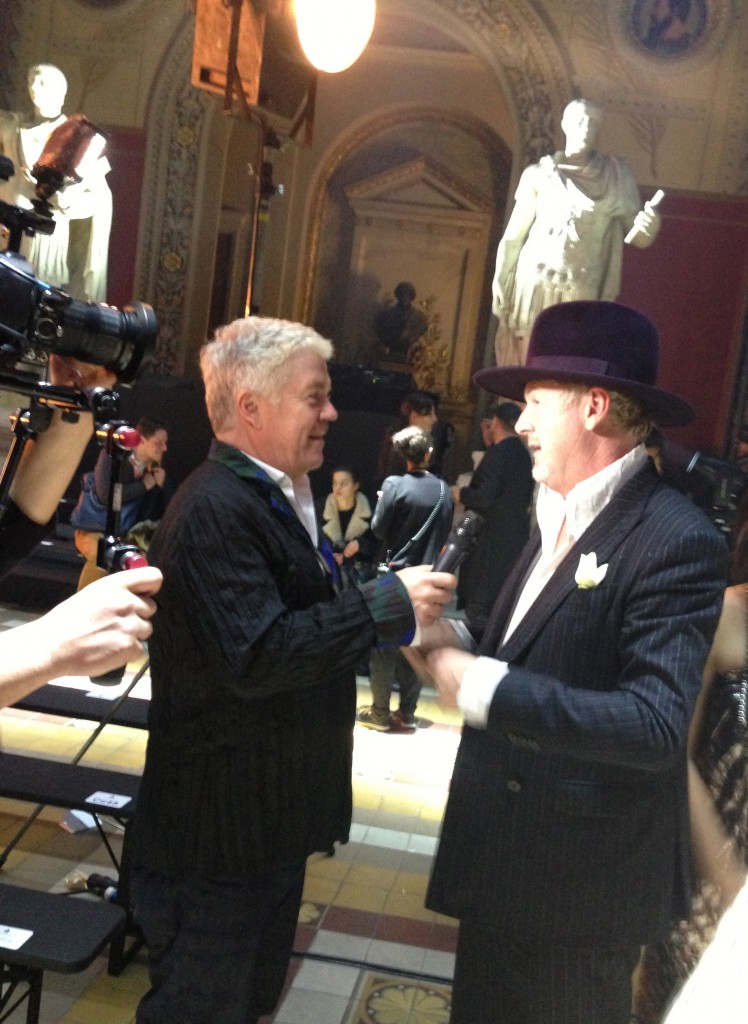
(565, 842)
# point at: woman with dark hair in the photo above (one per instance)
(417, 409)
(412, 519)
(347, 525)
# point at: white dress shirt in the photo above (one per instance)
(581, 506)
(299, 496)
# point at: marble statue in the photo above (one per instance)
(75, 256)
(564, 239)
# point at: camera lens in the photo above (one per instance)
(114, 338)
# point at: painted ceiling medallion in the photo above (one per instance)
(676, 29)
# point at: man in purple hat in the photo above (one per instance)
(564, 846)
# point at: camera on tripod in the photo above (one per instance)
(38, 319)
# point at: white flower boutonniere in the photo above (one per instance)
(589, 574)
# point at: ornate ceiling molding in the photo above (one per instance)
(521, 47)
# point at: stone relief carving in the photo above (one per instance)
(176, 120)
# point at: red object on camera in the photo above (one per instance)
(133, 560)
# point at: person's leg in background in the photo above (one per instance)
(410, 690)
(382, 662)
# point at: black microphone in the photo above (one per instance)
(461, 538)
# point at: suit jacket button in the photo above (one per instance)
(513, 786)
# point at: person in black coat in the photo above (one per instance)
(565, 840)
(501, 491)
(248, 767)
(411, 520)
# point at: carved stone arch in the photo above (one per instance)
(186, 134)
(348, 144)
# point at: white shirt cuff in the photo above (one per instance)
(477, 688)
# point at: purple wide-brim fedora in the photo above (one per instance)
(602, 343)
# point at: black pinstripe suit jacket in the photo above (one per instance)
(567, 818)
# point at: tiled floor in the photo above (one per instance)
(372, 953)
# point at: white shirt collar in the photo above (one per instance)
(585, 502)
(299, 495)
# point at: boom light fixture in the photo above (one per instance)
(333, 33)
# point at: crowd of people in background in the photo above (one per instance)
(365, 623)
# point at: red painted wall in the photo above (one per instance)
(693, 282)
(125, 150)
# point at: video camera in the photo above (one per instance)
(718, 487)
(35, 316)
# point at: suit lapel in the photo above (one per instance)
(509, 595)
(604, 536)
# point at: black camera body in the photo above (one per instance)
(37, 317)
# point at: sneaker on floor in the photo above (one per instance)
(373, 719)
(403, 722)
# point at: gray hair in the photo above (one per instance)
(252, 353)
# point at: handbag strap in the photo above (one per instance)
(432, 516)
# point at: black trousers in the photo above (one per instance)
(218, 951)
(387, 664)
(498, 981)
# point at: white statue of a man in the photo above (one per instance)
(75, 256)
(564, 239)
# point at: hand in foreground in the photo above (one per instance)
(103, 626)
(447, 666)
(445, 633)
(428, 591)
(73, 373)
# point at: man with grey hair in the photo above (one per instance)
(248, 768)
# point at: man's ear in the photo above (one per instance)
(248, 409)
(596, 406)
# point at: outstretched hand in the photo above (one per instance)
(103, 626)
(447, 666)
(99, 629)
(74, 373)
(429, 592)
